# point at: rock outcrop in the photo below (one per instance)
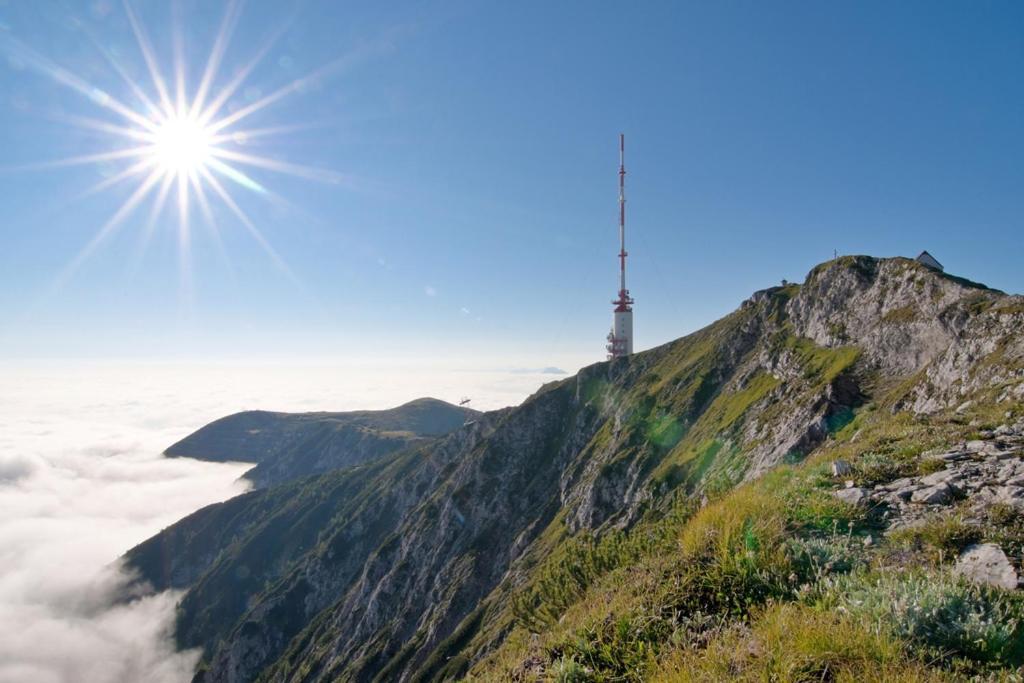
(974, 474)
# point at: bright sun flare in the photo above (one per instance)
(182, 145)
(173, 136)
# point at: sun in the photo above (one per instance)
(182, 146)
(180, 140)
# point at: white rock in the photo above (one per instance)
(841, 468)
(902, 482)
(942, 476)
(1012, 495)
(986, 563)
(932, 495)
(950, 456)
(854, 496)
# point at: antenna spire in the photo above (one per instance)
(622, 214)
(620, 339)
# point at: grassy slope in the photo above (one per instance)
(773, 581)
(680, 406)
(683, 414)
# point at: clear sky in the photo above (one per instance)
(466, 205)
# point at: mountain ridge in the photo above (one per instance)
(287, 446)
(421, 564)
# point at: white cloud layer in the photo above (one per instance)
(82, 480)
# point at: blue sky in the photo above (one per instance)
(473, 214)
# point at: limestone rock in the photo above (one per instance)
(853, 496)
(841, 468)
(987, 564)
(932, 495)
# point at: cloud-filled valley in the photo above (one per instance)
(82, 479)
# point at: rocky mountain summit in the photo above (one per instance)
(795, 492)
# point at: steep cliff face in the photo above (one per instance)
(410, 566)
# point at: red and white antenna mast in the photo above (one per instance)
(620, 339)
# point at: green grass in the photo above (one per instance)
(822, 365)
(796, 643)
(608, 609)
(942, 539)
(901, 315)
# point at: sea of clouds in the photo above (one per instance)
(82, 480)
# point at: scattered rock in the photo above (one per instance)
(1010, 495)
(986, 563)
(982, 472)
(841, 468)
(932, 495)
(941, 477)
(905, 494)
(853, 496)
(951, 456)
(901, 483)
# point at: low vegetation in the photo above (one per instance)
(776, 580)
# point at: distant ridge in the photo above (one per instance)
(286, 446)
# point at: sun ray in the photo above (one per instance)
(107, 229)
(232, 173)
(184, 238)
(295, 86)
(82, 160)
(146, 101)
(150, 225)
(177, 141)
(220, 44)
(211, 223)
(249, 225)
(89, 123)
(68, 79)
(204, 205)
(147, 55)
(183, 206)
(178, 47)
(225, 94)
(245, 135)
(133, 170)
(298, 170)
